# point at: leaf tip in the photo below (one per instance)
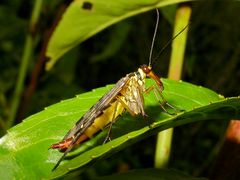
(49, 65)
(49, 61)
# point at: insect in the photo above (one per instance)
(126, 95)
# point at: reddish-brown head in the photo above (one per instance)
(149, 73)
(146, 69)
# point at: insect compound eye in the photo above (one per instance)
(146, 69)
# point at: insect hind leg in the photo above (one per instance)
(114, 119)
(108, 137)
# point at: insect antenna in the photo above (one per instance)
(153, 39)
(168, 42)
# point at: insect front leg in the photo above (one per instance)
(167, 103)
(162, 101)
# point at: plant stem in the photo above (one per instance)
(178, 46)
(27, 54)
(163, 148)
(164, 138)
(39, 65)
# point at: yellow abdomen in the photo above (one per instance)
(108, 115)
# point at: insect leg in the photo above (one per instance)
(140, 101)
(109, 133)
(111, 123)
(167, 103)
(162, 101)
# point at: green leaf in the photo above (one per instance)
(79, 23)
(24, 149)
(150, 174)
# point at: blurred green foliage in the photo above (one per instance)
(212, 60)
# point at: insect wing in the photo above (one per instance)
(134, 97)
(87, 120)
(97, 109)
(139, 99)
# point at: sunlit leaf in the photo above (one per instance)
(24, 149)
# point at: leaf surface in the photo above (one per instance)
(85, 18)
(24, 149)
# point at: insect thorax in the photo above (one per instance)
(140, 77)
